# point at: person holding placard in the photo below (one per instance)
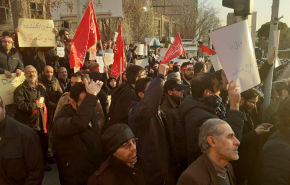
(65, 61)
(64, 36)
(10, 58)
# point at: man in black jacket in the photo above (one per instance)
(124, 95)
(273, 164)
(205, 103)
(77, 136)
(186, 75)
(20, 152)
(10, 58)
(147, 122)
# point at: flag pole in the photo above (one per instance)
(104, 58)
(121, 69)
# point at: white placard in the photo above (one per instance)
(145, 50)
(116, 36)
(109, 58)
(163, 52)
(140, 49)
(278, 62)
(276, 43)
(100, 61)
(142, 63)
(233, 45)
(60, 51)
(215, 62)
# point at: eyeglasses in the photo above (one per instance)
(30, 72)
(128, 144)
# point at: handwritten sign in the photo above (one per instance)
(36, 33)
(140, 49)
(60, 51)
(8, 87)
(100, 61)
(215, 62)
(93, 52)
(109, 58)
(234, 48)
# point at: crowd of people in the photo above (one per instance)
(158, 125)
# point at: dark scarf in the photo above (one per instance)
(215, 102)
(47, 82)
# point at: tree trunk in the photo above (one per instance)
(18, 10)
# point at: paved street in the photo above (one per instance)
(51, 178)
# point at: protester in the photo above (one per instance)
(108, 48)
(65, 61)
(205, 103)
(10, 58)
(124, 94)
(252, 132)
(176, 67)
(111, 85)
(177, 144)
(131, 55)
(123, 160)
(148, 125)
(62, 78)
(219, 146)
(175, 75)
(77, 135)
(199, 67)
(20, 152)
(64, 36)
(272, 166)
(31, 102)
(186, 75)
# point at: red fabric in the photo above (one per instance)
(207, 50)
(175, 50)
(86, 36)
(118, 54)
(45, 116)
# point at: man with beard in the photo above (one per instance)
(10, 58)
(131, 55)
(31, 101)
(62, 79)
(120, 143)
(20, 152)
(219, 145)
(250, 143)
(64, 36)
(186, 75)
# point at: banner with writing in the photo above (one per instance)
(36, 33)
(233, 45)
(8, 87)
(109, 58)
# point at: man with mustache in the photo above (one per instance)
(219, 145)
(120, 143)
(30, 101)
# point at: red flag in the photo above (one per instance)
(207, 50)
(118, 54)
(86, 36)
(175, 50)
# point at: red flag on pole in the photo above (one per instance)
(207, 50)
(118, 54)
(86, 36)
(175, 50)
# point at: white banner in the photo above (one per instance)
(140, 49)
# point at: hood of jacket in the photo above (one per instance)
(190, 103)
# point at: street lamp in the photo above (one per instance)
(241, 7)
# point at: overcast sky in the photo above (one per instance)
(263, 9)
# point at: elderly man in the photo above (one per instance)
(30, 101)
(62, 78)
(10, 58)
(219, 145)
(20, 152)
(123, 161)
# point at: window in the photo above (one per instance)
(36, 10)
(157, 25)
(4, 11)
(166, 29)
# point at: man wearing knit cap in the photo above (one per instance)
(10, 58)
(186, 75)
(123, 161)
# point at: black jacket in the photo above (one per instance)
(121, 100)
(10, 62)
(24, 103)
(78, 147)
(194, 113)
(65, 62)
(273, 165)
(21, 159)
(145, 120)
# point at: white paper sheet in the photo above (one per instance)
(140, 49)
(100, 61)
(234, 48)
(60, 51)
(215, 62)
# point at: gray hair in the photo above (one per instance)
(173, 75)
(61, 68)
(209, 128)
(29, 66)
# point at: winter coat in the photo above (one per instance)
(21, 159)
(25, 105)
(121, 100)
(147, 123)
(77, 142)
(202, 172)
(10, 62)
(273, 165)
(194, 113)
(65, 62)
(115, 172)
